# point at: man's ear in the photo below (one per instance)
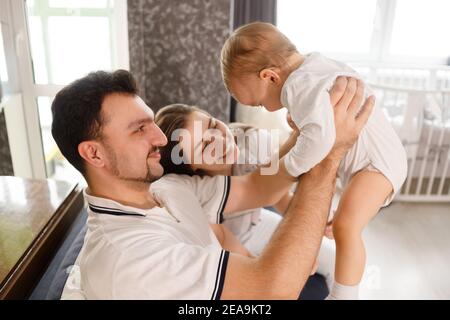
(270, 74)
(92, 153)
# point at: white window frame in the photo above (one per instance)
(388, 7)
(120, 57)
(21, 113)
(21, 109)
(381, 41)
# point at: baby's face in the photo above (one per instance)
(254, 91)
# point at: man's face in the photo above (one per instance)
(131, 139)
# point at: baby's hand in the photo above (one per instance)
(290, 122)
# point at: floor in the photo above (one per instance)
(408, 253)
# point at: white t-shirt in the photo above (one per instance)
(161, 253)
(306, 95)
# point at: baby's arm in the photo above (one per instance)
(291, 140)
(317, 134)
(282, 205)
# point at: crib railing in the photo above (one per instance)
(417, 101)
(422, 120)
(421, 78)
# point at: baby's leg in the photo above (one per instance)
(362, 199)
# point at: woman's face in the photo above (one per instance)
(211, 147)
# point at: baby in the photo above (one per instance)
(261, 67)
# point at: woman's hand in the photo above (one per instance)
(291, 122)
(329, 230)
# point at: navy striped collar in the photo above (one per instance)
(115, 212)
(111, 207)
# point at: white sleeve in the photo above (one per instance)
(211, 192)
(317, 133)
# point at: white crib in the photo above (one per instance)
(417, 101)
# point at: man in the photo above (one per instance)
(150, 238)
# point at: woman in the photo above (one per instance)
(222, 150)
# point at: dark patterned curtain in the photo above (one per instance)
(246, 11)
(175, 50)
(1, 90)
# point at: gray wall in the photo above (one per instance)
(6, 168)
(175, 49)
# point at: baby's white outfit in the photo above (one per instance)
(306, 95)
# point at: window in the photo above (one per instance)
(3, 70)
(414, 31)
(55, 164)
(328, 25)
(75, 4)
(68, 39)
(421, 28)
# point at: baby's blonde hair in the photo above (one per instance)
(252, 48)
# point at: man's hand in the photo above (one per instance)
(346, 96)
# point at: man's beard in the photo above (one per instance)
(148, 178)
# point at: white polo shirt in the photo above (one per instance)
(161, 253)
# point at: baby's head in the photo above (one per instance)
(256, 60)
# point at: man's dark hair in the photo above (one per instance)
(77, 114)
